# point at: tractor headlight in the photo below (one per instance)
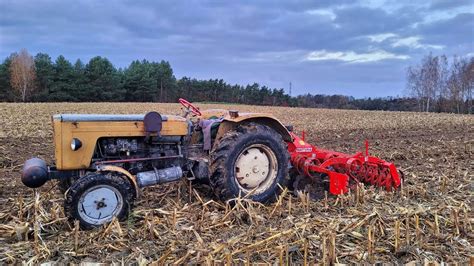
(75, 144)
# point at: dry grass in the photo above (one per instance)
(430, 219)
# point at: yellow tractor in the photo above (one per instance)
(102, 161)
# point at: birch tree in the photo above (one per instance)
(22, 74)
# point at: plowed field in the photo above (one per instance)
(430, 219)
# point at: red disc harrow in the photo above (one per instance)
(342, 169)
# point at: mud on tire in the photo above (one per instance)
(227, 154)
(82, 191)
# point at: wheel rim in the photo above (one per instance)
(99, 204)
(256, 168)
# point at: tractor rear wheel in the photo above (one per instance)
(96, 198)
(253, 159)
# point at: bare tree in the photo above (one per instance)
(414, 86)
(455, 85)
(461, 83)
(442, 90)
(470, 87)
(467, 82)
(22, 73)
(427, 81)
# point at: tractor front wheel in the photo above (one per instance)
(252, 160)
(65, 183)
(96, 198)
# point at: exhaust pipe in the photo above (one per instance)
(159, 176)
(35, 173)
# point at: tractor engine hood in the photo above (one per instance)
(101, 117)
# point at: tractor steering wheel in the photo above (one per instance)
(189, 106)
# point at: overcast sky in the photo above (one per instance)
(358, 48)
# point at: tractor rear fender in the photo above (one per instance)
(230, 123)
(124, 174)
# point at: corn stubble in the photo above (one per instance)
(428, 221)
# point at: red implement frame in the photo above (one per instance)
(342, 169)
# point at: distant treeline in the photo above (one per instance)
(442, 86)
(40, 79)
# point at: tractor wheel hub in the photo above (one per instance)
(99, 204)
(256, 167)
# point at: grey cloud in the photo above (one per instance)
(453, 31)
(447, 4)
(244, 41)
